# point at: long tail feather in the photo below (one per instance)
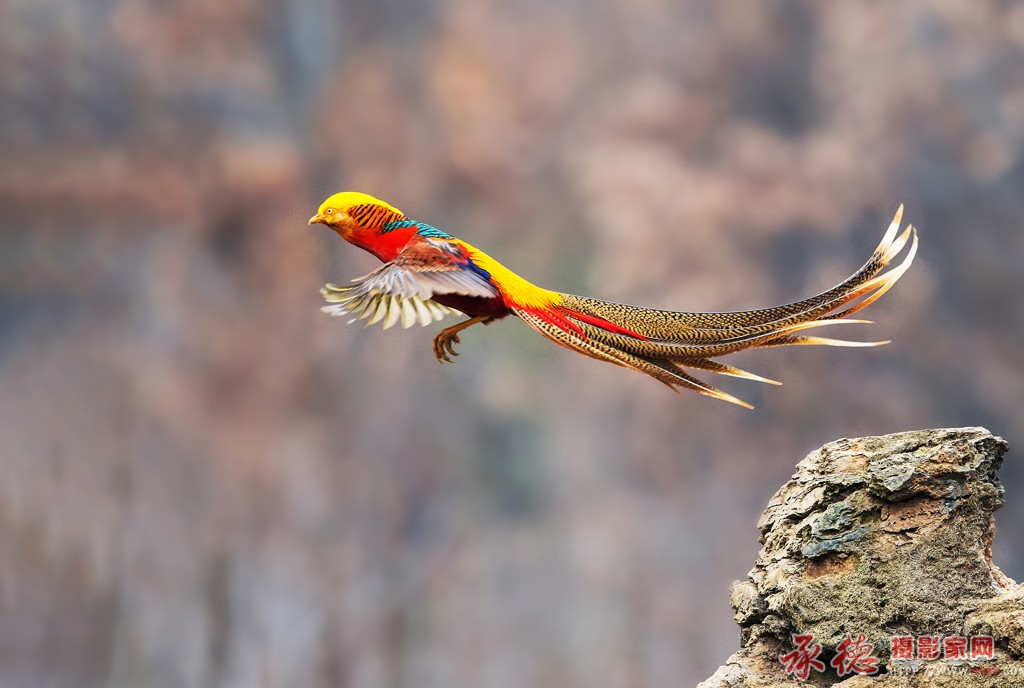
(662, 343)
(732, 371)
(684, 326)
(664, 372)
(885, 281)
(684, 351)
(789, 340)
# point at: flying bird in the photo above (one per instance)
(428, 274)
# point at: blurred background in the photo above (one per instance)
(206, 482)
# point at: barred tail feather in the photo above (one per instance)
(663, 371)
(679, 351)
(663, 343)
(692, 326)
(790, 340)
(723, 369)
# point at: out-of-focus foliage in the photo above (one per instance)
(205, 482)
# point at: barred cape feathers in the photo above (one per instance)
(663, 344)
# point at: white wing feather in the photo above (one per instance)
(392, 293)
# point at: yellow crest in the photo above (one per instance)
(347, 200)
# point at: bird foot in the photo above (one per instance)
(444, 345)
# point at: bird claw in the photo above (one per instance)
(444, 346)
(445, 341)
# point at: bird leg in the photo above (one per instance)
(447, 338)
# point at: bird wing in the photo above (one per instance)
(404, 288)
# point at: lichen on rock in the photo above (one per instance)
(886, 536)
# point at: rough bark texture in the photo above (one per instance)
(886, 536)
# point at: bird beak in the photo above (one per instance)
(318, 218)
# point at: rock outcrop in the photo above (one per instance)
(889, 537)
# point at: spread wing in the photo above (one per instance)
(404, 288)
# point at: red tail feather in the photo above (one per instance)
(602, 323)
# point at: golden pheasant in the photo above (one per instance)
(428, 273)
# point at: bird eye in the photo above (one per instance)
(330, 210)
